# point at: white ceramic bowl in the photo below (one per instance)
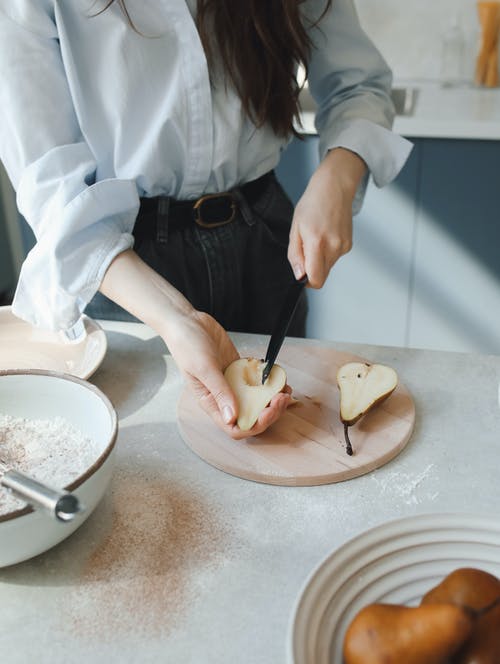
(35, 395)
(396, 562)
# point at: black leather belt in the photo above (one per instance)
(208, 211)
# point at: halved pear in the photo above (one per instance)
(362, 386)
(245, 378)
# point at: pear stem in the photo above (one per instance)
(348, 446)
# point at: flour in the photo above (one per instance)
(403, 485)
(50, 450)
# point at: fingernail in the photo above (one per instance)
(227, 414)
(298, 271)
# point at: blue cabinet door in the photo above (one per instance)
(455, 298)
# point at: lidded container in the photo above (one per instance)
(453, 54)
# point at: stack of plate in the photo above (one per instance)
(396, 563)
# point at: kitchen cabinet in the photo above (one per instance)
(455, 299)
(425, 267)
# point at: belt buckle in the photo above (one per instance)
(198, 210)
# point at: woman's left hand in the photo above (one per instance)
(321, 230)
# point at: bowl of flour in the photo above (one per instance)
(61, 430)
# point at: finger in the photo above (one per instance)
(315, 264)
(321, 255)
(277, 406)
(209, 405)
(279, 403)
(271, 413)
(219, 401)
(296, 252)
(331, 257)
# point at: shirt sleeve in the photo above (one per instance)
(351, 84)
(80, 224)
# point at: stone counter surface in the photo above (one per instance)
(184, 563)
(466, 112)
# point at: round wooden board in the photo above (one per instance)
(306, 446)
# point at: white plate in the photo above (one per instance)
(396, 562)
(25, 347)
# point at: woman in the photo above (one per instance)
(116, 122)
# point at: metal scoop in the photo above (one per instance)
(62, 505)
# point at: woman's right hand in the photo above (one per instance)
(202, 350)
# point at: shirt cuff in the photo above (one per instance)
(384, 152)
(61, 275)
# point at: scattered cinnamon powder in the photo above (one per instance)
(142, 577)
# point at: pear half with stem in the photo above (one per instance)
(362, 386)
(245, 378)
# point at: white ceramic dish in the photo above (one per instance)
(396, 562)
(25, 347)
(43, 395)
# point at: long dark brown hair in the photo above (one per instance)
(260, 43)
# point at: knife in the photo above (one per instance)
(285, 316)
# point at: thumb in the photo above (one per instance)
(296, 253)
(221, 399)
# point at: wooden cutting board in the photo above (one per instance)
(306, 446)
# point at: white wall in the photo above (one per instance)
(409, 33)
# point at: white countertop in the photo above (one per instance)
(454, 113)
(184, 563)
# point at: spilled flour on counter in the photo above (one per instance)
(404, 485)
(50, 450)
(158, 547)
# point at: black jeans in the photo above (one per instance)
(238, 272)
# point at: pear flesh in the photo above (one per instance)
(362, 386)
(245, 378)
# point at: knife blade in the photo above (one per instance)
(284, 318)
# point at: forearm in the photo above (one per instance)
(345, 166)
(136, 287)
(199, 345)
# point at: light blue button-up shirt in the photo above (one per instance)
(94, 115)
